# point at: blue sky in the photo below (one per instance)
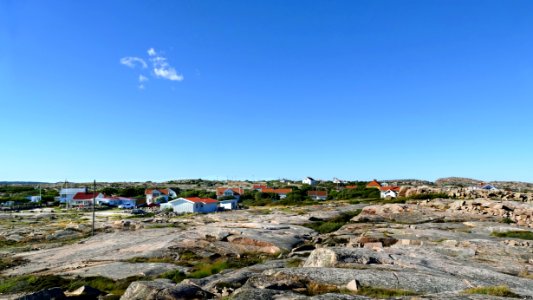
(265, 89)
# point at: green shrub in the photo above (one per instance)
(333, 224)
(525, 235)
(500, 291)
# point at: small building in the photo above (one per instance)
(373, 184)
(34, 199)
(116, 201)
(318, 195)
(153, 194)
(191, 205)
(389, 191)
(85, 199)
(489, 187)
(67, 194)
(230, 204)
(282, 193)
(229, 192)
(309, 181)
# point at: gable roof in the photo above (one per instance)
(259, 186)
(390, 188)
(317, 193)
(373, 183)
(162, 191)
(221, 190)
(85, 196)
(201, 200)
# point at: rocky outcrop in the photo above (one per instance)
(162, 290)
(519, 213)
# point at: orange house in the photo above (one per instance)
(373, 184)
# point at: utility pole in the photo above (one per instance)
(94, 202)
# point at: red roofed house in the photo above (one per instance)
(191, 205)
(281, 192)
(373, 184)
(152, 194)
(318, 195)
(84, 199)
(259, 187)
(389, 191)
(229, 192)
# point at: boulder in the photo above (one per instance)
(160, 290)
(52, 293)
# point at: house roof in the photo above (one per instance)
(277, 191)
(351, 186)
(317, 193)
(259, 186)
(84, 196)
(221, 190)
(310, 178)
(373, 183)
(390, 188)
(201, 200)
(162, 191)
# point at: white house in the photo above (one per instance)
(84, 199)
(191, 205)
(229, 204)
(66, 195)
(389, 191)
(309, 181)
(152, 194)
(318, 195)
(229, 192)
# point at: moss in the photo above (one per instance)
(500, 291)
(333, 224)
(525, 235)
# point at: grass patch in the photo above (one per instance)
(141, 216)
(525, 235)
(7, 262)
(382, 293)
(500, 290)
(168, 260)
(207, 267)
(333, 224)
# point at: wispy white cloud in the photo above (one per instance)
(161, 68)
(130, 61)
(142, 78)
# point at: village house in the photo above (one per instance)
(309, 181)
(191, 205)
(85, 199)
(389, 191)
(67, 194)
(282, 193)
(259, 187)
(229, 192)
(230, 204)
(153, 194)
(318, 195)
(373, 184)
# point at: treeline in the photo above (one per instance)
(19, 194)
